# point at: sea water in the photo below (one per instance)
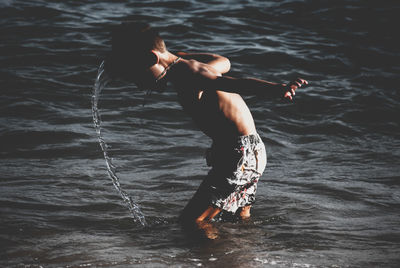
(330, 195)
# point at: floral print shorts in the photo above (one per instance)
(236, 169)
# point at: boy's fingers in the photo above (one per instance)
(292, 87)
(288, 95)
(297, 83)
(301, 81)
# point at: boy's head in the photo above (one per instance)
(133, 46)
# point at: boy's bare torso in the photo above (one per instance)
(223, 116)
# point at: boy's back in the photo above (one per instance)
(220, 115)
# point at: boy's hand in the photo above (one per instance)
(290, 89)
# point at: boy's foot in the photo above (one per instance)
(245, 213)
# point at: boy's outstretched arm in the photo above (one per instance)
(254, 86)
(248, 86)
(220, 63)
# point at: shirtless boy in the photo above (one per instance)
(237, 156)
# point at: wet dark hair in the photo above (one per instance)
(131, 45)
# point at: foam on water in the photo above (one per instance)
(100, 83)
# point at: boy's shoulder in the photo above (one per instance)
(192, 68)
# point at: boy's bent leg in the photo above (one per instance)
(203, 222)
(198, 213)
(197, 206)
(208, 214)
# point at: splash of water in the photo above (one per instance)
(100, 83)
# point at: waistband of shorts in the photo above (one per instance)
(252, 138)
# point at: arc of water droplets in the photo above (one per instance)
(100, 83)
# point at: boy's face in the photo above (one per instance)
(142, 70)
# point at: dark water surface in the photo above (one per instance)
(330, 196)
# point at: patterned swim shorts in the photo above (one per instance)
(236, 169)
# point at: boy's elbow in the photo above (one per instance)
(225, 64)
